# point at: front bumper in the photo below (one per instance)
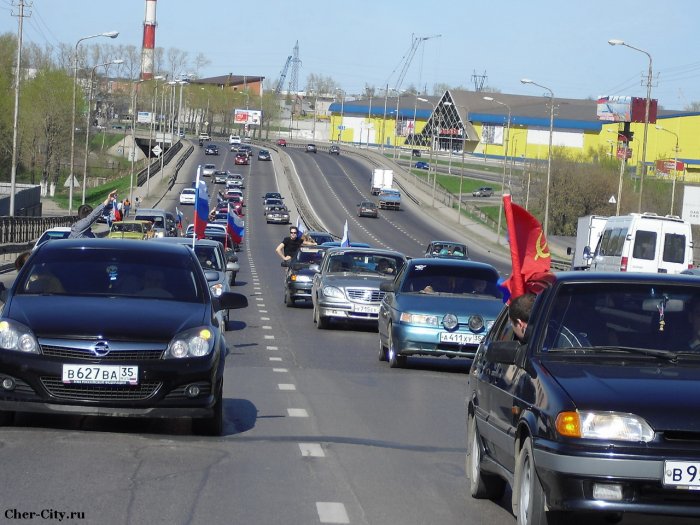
(568, 481)
(277, 220)
(350, 311)
(425, 340)
(160, 392)
(299, 290)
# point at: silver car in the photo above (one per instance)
(347, 285)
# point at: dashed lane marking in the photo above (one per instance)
(331, 512)
(297, 412)
(311, 450)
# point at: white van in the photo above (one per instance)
(644, 242)
(204, 136)
(234, 139)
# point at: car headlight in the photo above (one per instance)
(217, 289)
(18, 337)
(195, 342)
(450, 321)
(608, 426)
(301, 278)
(424, 319)
(332, 291)
(476, 323)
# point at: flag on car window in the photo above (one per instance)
(345, 242)
(529, 251)
(235, 225)
(201, 207)
(300, 227)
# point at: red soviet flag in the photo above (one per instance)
(529, 252)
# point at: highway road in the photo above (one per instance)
(317, 429)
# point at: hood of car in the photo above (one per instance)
(664, 394)
(355, 279)
(463, 306)
(114, 318)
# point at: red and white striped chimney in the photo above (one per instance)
(149, 40)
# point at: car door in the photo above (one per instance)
(493, 395)
(387, 308)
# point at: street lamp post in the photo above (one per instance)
(87, 121)
(675, 165)
(396, 123)
(154, 106)
(549, 155)
(623, 161)
(342, 110)
(133, 136)
(505, 162)
(616, 42)
(110, 34)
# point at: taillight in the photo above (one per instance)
(623, 264)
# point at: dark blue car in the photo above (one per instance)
(422, 165)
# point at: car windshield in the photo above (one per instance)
(625, 317)
(209, 257)
(451, 279)
(157, 220)
(111, 273)
(127, 227)
(363, 262)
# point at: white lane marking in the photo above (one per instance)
(311, 450)
(264, 318)
(275, 359)
(262, 311)
(259, 298)
(261, 305)
(331, 512)
(271, 348)
(297, 412)
(266, 327)
(286, 386)
(269, 337)
(280, 370)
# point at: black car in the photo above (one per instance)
(272, 195)
(596, 410)
(114, 328)
(263, 154)
(311, 148)
(334, 150)
(320, 237)
(211, 149)
(367, 209)
(300, 273)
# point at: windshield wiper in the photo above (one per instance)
(654, 352)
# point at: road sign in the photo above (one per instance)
(67, 184)
(157, 151)
(612, 200)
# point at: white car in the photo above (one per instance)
(234, 139)
(208, 170)
(59, 232)
(187, 196)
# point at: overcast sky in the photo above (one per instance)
(561, 44)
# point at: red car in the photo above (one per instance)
(282, 142)
(241, 159)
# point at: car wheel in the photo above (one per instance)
(382, 351)
(214, 425)
(528, 495)
(395, 360)
(321, 322)
(481, 485)
(288, 299)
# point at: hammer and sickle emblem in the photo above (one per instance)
(542, 249)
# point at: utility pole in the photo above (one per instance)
(15, 118)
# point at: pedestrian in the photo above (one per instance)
(137, 203)
(87, 215)
(126, 206)
(289, 246)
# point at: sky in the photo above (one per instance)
(561, 44)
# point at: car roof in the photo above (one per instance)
(108, 244)
(186, 241)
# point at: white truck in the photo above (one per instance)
(588, 232)
(381, 179)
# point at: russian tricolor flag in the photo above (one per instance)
(235, 226)
(201, 207)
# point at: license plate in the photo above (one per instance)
(366, 309)
(460, 338)
(682, 474)
(101, 374)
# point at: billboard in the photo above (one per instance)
(625, 109)
(145, 117)
(691, 204)
(247, 116)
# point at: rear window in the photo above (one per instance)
(674, 248)
(644, 245)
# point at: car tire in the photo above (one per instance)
(214, 425)
(321, 321)
(382, 351)
(481, 485)
(395, 360)
(528, 495)
(288, 299)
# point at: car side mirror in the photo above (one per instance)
(315, 268)
(387, 286)
(504, 352)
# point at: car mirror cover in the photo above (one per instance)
(503, 351)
